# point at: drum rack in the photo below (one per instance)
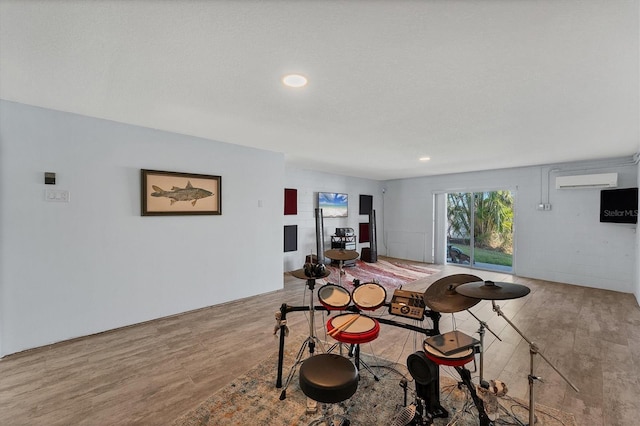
(285, 308)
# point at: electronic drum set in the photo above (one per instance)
(451, 294)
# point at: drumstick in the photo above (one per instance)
(344, 326)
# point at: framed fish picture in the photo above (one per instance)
(173, 193)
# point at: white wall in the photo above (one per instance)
(94, 264)
(72, 269)
(636, 290)
(567, 244)
(308, 183)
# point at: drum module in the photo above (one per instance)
(409, 304)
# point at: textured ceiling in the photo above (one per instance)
(475, 85)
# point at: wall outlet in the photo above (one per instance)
(57, 195)
(543, 207)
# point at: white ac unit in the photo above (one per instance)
(602, 180)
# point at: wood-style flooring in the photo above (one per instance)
(151, 373)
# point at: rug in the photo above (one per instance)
(390, 274)
(253, 399)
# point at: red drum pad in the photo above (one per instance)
(362, 330)
(454, 360)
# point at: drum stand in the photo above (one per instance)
(340, 272)
(309, 342)
(354, 351)
(465, 375)
(533, 350)
(483, 325)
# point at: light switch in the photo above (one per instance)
(49, 178)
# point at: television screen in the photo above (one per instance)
(333, 204)
(619, 205)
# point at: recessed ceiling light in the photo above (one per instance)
(294, 80)
(424, 158)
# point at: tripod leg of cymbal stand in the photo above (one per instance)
(481, 332)
(298, 360)
(309, 342)
(465, 375)
(532, 400)
(312, 326)
(481, 380)
(533, 350)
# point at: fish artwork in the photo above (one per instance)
(188, 193)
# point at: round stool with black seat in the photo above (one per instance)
(329, 379)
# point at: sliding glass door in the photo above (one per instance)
(480, 229)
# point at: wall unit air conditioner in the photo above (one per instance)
(602, 180)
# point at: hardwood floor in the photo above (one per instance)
(151, 373)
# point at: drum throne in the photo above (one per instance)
(329, 379)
